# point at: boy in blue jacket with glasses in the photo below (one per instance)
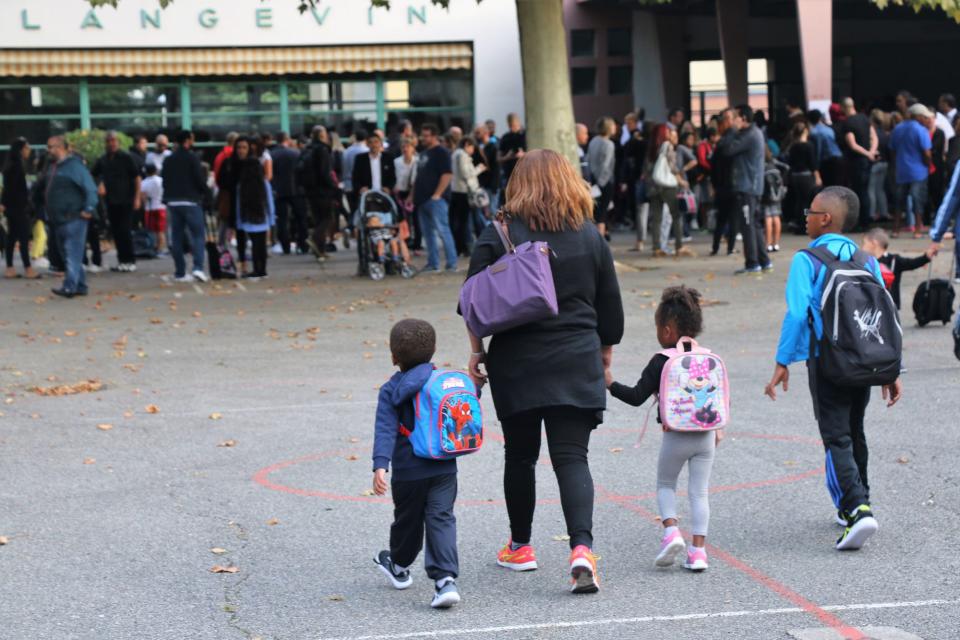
(839, 409)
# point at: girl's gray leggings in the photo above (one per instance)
(695, 449)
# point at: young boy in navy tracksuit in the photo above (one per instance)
(839, 409)
(423, 490)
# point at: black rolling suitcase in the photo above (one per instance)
(933, 300)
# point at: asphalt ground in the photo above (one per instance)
(109, 529)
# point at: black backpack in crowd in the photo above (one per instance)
(862, 337)
(305, 172)
(933, 300)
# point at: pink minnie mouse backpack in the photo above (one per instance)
(694, 389)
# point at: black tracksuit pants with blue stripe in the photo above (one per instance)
(839, 411)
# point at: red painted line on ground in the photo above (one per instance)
(827, 618)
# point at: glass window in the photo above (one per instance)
(581, 43)
(36, 130)
(331, 96)
(145, 99)
(620, 79)
(618, 41)
(39, 99)
(234, 96)
(209, 126)
(583, 81)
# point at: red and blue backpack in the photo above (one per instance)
(448, 421)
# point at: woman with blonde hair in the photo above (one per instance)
(552, 372)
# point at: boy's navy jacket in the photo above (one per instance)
(804, 288)
(395, 407)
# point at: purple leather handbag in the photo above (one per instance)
(515, 290)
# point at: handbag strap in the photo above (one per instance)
(929, 274)
(502, 231)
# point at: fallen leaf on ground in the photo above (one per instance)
(89, 460)
(70, 333)
(367, 356)
(8, 401)
(87, 386)
(335, 598)
(128, 414)
(354, 440)
(218, 550)
(104, 426)
(152, 408)
(40, 299)
(35, 416)
(352, 457)
(228, 443)
(367, 492)
(616, 450)
(216, 416)
(561, 538)
(197, 314)
(221, 569)
(4, 540)
(156, 321)
(273, 521)
(903, 459)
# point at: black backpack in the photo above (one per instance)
(933, 300)
(306, 171)
(862, 337)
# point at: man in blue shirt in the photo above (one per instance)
(839, 410)
(825, 148)
(911, 145)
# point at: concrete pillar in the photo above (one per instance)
(648, 89)
(674, 66)
(732, 17)
(815, 20)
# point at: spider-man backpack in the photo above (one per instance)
(448, 420)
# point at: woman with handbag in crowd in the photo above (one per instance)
(464, 184)
(601, 160)
(664, 183)
(551, 371)
(405, 166)
(255, 212)
(688, 166)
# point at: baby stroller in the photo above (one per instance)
(378, 221)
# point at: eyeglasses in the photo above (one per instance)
(810, 212)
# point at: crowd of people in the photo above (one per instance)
(737, 177)
(740, 176)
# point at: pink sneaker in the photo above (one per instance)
(671, 545)
(696, 560)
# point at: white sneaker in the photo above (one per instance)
(184, 278)
(200, 275)
(276, 249)
(131, 267)
(40, 263)
(92, 268)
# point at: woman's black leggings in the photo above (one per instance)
(568, 438)
(20, 229)
(259, 250)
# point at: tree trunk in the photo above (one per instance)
(546, 77)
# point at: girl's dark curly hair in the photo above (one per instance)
(682, 305)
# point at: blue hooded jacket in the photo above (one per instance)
(395, 407)
(804, 289)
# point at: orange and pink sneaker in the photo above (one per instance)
(583, 570)
(523, 559)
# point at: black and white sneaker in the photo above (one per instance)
(400, 578)
(860, 526)
(446, 596)
(841, 518)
